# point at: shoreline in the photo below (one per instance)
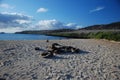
(97, 60)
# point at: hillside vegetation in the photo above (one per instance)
(44, 31)
(98, 35)
(115, 25)
(106, 31)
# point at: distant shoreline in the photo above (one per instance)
(80, 34)
(12, 36)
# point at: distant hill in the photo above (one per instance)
(2, 32)
(44, 31)
(103, 27)
(115, 25)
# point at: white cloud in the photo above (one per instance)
(14, 21)
(11, 29)
(54, 24)
(23, 21)
(73, 26)
(48, 24)
(97, 9)
(7, 6)
(42, 10)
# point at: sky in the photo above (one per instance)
(19, 15)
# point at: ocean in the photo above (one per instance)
(11, 36)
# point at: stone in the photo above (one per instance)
(7, 63)
(37, 48)
(2, 79)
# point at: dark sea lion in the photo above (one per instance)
(47, 54)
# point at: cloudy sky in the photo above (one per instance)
(18, 15)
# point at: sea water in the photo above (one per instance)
(11, 36)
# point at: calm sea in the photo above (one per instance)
(28, 37)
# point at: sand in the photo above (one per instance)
(97, 60)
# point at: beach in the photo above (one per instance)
(97, 60)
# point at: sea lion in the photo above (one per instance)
(77, 50)
(55, 45)
(47, 40)
(47, 54)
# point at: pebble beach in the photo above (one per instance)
(97, 60)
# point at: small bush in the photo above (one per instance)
(99, 35)
(108, 35)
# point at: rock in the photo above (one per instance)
(68, 76)
(119, 67)
(7, 63)
(34, 76)
(1, 64)
(58, 77)
(2, 79)
(47, 77)
(5, 75)
(37, 48)
(99, 46)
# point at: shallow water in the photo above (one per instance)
(10, 36)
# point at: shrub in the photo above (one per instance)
(99, 35)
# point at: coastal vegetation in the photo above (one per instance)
(111, 26)
(98, 35)
(103, 31)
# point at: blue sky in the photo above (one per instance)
(18, 15)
